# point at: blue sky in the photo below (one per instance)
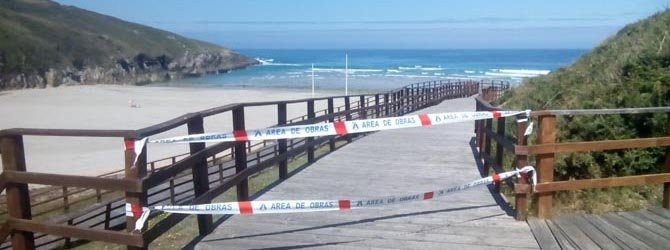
(389, 24)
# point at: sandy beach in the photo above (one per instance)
(108, 107)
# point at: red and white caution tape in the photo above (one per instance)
(340, 128)
(302, 206)
(136, 146)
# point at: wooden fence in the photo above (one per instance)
(545, 148)
(191, 178)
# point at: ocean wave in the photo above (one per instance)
(469, 71)
(416, 67)
(432, 69)
(270, 62)
(470, 76)
(408, 76)
(419, 67)
(500, 74)
(352, 71)
(393, 71)
(517, 72)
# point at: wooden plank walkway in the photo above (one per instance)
(644, 229)
(413, 160)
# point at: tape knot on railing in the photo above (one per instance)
(529, 128)
(526, 170)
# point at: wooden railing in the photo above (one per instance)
(196, 177)
(546, 147)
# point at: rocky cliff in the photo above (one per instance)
(47, 44)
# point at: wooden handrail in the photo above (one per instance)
(486, 105)
(127, 185)
(69, 132)
(566, 147)
(602, 182)
(601, 111)
(118, 237)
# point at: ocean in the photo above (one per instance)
(385, 69)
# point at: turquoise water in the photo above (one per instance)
(386, 69)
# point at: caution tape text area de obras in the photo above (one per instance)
(341, 127)
(302, 206)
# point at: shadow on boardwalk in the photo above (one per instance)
(495, 193)
(367, 220)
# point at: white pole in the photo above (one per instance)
(312, 80)
(346, 74)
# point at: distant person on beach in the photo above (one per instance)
(132, 104)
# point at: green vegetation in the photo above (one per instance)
(629, 69)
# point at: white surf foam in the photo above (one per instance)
(270, 62)
(516, 72)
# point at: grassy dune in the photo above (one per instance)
(629, 69)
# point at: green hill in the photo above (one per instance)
(629, 69)
(45, 43)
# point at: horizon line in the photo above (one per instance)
(347, 49)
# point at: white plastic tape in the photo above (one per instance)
(302, 206)
(136, 145)
(340, 128)
(529, 129)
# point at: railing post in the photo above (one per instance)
(477, 128)
(240, 155)
(378, 107)
(666, 168)
(68, 240)
(135, 171)
(425, 94)
(482, 135)
(399, 101)
(347, 110)
(66, 200)
(172, 193)
(407, 106)
(387, 106)
(487, 145)
(500, 131)
(331, 111)
(199, 171)
(309, 140)
(394, 103)
(521, 161)
(363, 114)
(281, 120)
(98, 194)
(108, 215)
(18, 196)
(545, 163)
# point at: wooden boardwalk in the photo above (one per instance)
(414, 160)
(644, 229)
